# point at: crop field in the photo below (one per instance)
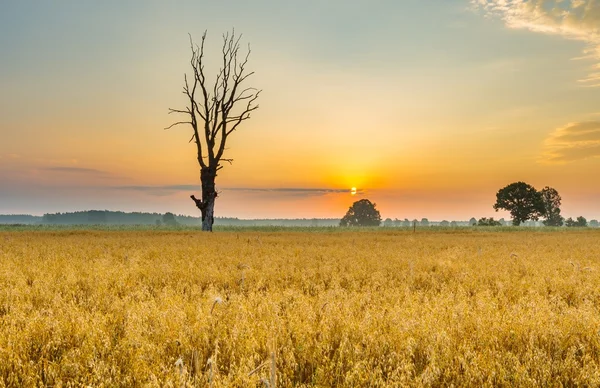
(243, 308)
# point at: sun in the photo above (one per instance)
(353, 191)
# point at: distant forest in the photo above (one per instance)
(99, 217)
(95, 217)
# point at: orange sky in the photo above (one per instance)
(428, 109)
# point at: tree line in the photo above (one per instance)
(521, 200)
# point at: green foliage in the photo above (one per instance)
(362, 213)
(488, 222)
(580, 222)
(522, 200)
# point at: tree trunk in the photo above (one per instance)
(207, 176)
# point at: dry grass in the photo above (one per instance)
(350, 309)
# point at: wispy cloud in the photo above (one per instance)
(171, 189)
(575, 141)
(76, 170)
(572, 19)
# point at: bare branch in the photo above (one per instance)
(177, 123)
(178, 111)
(246, 114)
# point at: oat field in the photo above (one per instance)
(256, 309)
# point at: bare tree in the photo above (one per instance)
(214, 112)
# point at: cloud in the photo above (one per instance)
(303, 192)
(76, 170)
(572, 19)
(575, 141)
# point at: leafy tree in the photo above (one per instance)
(406, 223)
(444, 223)
(453, 224)
(594, 223)
(388, 222)
(424, 222)
(523, 202)
(362, 213)
(472, 221)
(581, 221)
(551, 200)
(169, 219)
(214, 112)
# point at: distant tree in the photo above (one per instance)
(523, 202)
(444, 224)
(453, 224)
(406, 223)
(388, 222)
(397, 222)
(488, 222)
(169, 219)
(551, 200)
(594, 223)
(502, 222)
(158, 222)
(579, 222)
(424, 222)
(472, 221)
(362, 213)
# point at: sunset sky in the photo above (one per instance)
(428, 107)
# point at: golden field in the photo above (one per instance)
(368, 308)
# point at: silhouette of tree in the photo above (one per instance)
(388, 222)
(424, 222)
(551, 200)
(362, 213)
(215, 112)
(580, 222)
(523, 202)
(472, 221)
